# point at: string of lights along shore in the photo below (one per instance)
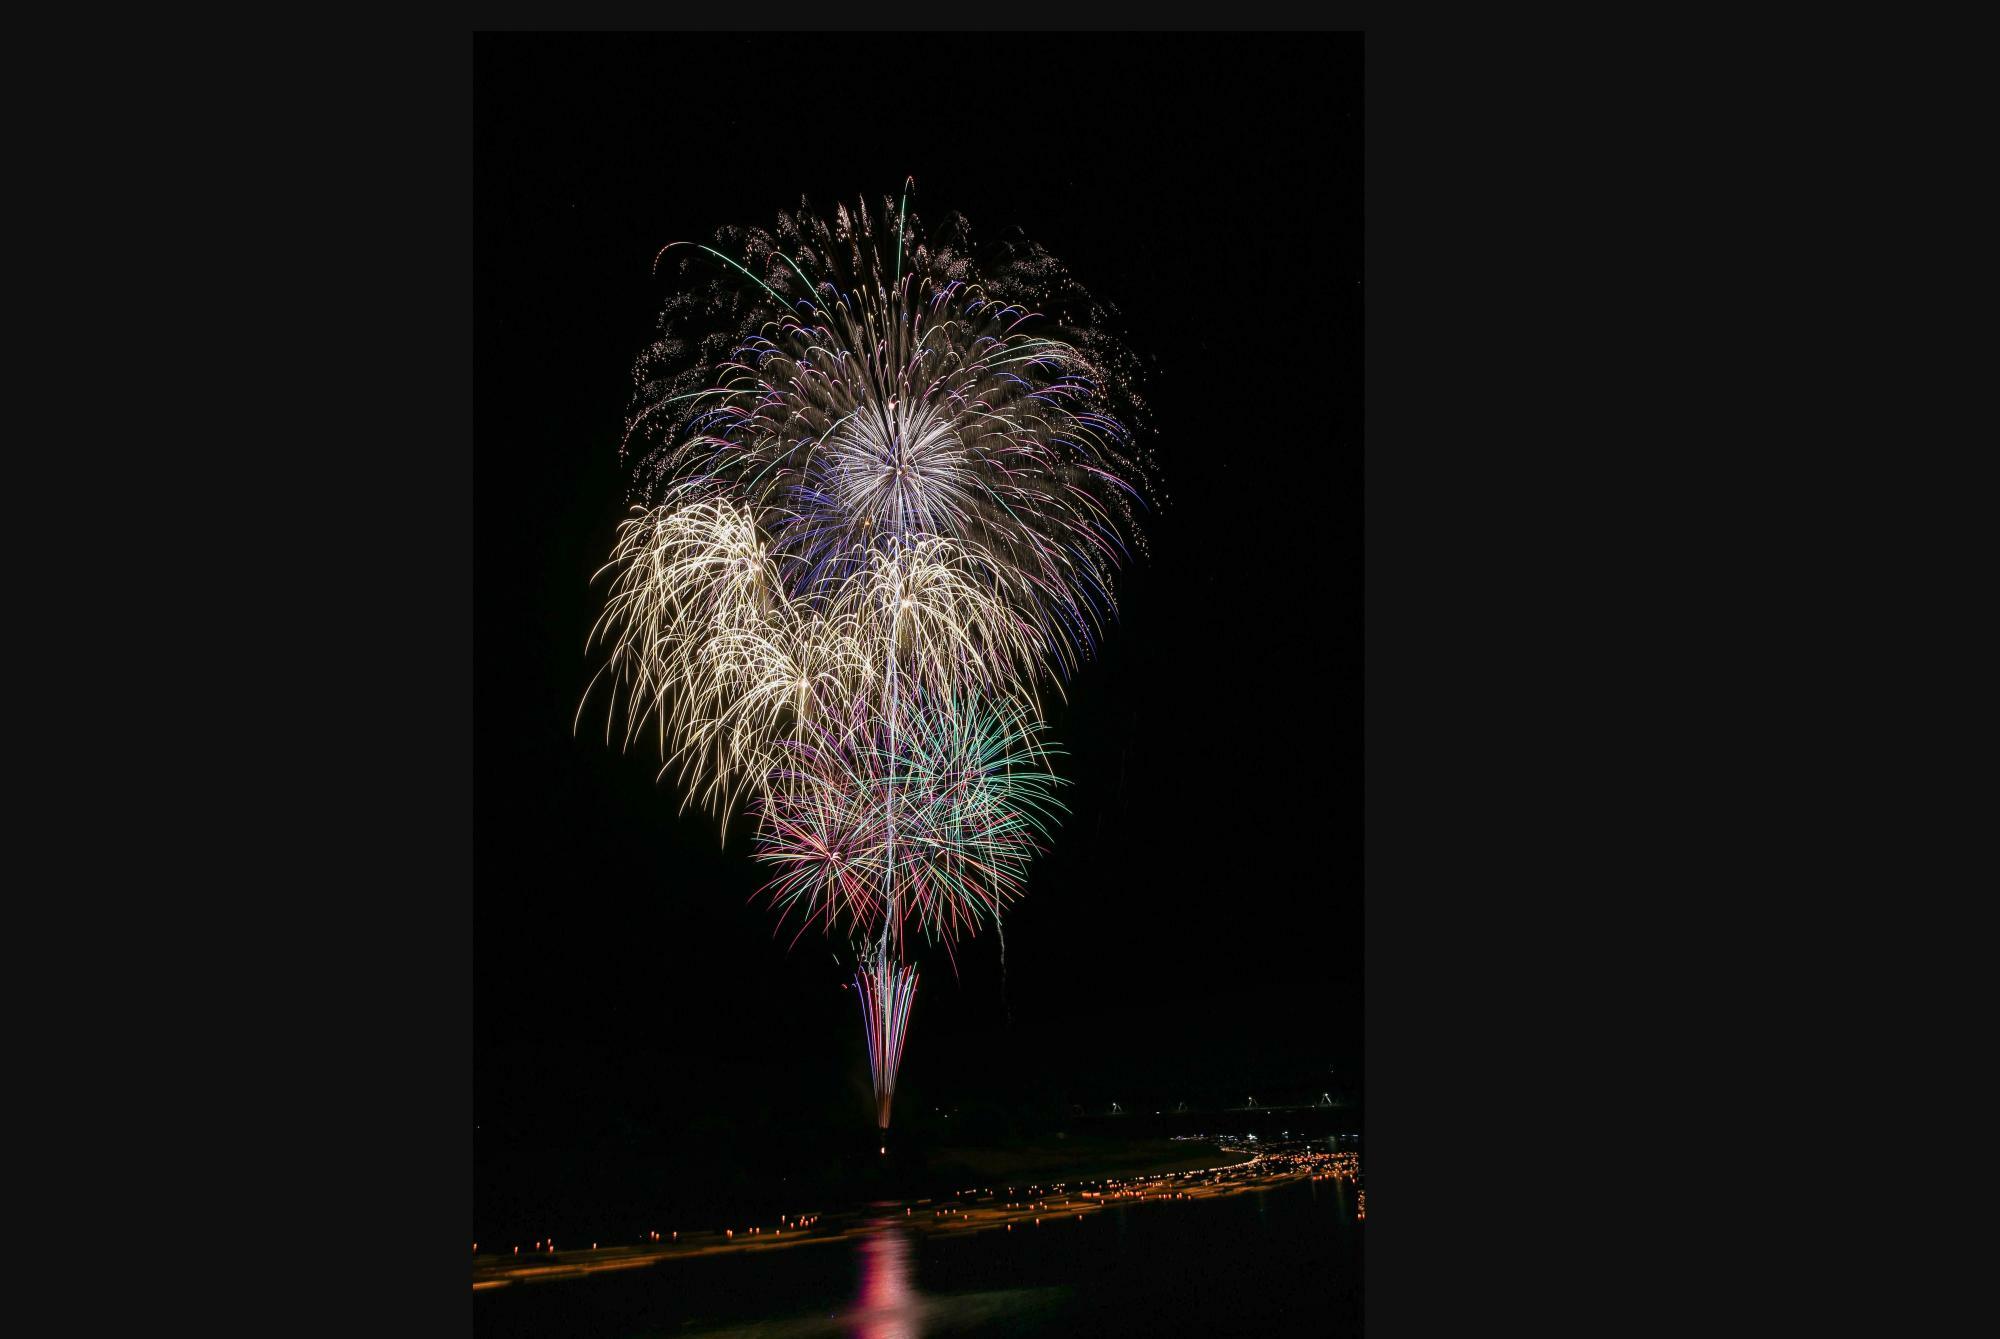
(883, 479)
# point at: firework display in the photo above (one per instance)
(884, 494)
(949, 816)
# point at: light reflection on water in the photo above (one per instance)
(890, 1306)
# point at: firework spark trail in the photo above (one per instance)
(970, 797)
(704, 644)
(852, 410)
(977, 794)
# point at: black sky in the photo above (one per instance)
(1197, 927)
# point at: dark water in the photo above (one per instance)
(1279, 1261)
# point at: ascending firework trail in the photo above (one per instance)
(884, 484)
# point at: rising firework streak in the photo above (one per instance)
(886, 991)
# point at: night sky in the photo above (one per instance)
(1195, 934)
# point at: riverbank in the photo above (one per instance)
(1024, 1203)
